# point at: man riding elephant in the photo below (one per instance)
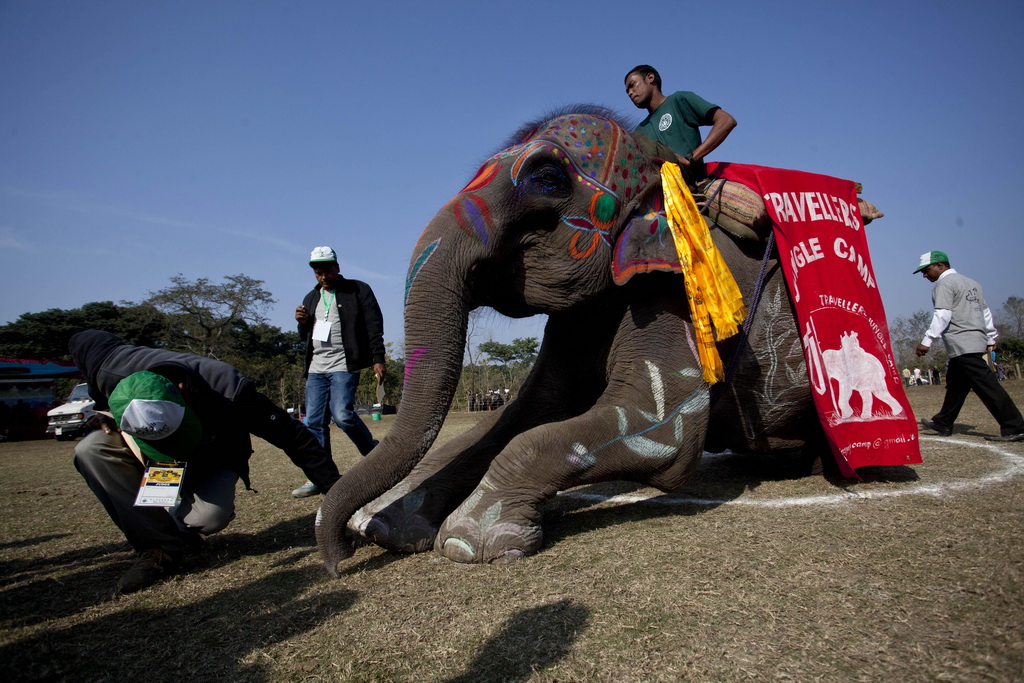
(675, 120)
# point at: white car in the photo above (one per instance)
(66, 421)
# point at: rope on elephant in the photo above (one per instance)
(755, 302)
(715, 299)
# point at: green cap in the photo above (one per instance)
(150, 408)
(930, 257)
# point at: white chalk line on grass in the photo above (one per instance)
(1014, 466)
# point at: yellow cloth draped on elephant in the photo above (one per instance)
(715, 299)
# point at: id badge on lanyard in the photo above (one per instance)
(322, 328)
(161, 486)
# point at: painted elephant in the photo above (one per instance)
(565, 220)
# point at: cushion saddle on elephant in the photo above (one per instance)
(732, 206)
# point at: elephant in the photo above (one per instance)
(567, 220)
(854, 369)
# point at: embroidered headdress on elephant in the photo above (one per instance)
(567, 220)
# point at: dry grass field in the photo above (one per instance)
(751, 572)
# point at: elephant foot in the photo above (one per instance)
(413, 536)
(489, 533)
(398, 521)
(458, 550)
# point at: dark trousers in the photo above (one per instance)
(114, 474)
(265, 419)
(970, 371)
(207, 503)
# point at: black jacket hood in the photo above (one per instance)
(90, 348)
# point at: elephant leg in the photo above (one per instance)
(845, 393)
(867, 401)
(406, 518)
(889, 400)
(658, 444)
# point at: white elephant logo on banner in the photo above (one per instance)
(854, 369)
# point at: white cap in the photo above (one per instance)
(322, 255)
(152, 420)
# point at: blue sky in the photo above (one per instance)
(139, 140)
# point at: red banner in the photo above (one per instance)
(856, 385)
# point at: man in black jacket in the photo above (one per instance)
(343, 328)
(217, 409)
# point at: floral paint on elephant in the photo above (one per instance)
(649, 228)
(642, 440)
(602, 155)
(601, 158)
(411, 362)
(598, 154)
(417, 264)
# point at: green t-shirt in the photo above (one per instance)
(676, 121)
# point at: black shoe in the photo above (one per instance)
(941, 431)
(1008, 437)
(152, 565)
(194, 542)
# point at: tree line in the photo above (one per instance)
(227, 321)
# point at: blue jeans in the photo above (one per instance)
(337, 389)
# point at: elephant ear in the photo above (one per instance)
(645, 244)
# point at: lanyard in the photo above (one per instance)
(327, 304)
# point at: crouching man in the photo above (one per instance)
(177, 410)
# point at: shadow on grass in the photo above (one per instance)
(379, 561)
(14, 571)
(229, 546)
(46, 588)
(199, 640)
(968, 429)
(28, 542)
(294, 533)
(530, 641)
(40, 589)
(880, 475)
(962, 428)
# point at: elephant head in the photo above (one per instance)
(560, 221)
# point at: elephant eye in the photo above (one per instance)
(549, 180)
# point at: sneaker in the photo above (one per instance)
(306, 490)
(152, 565)
(1008, 437)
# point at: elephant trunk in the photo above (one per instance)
(436, 318)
